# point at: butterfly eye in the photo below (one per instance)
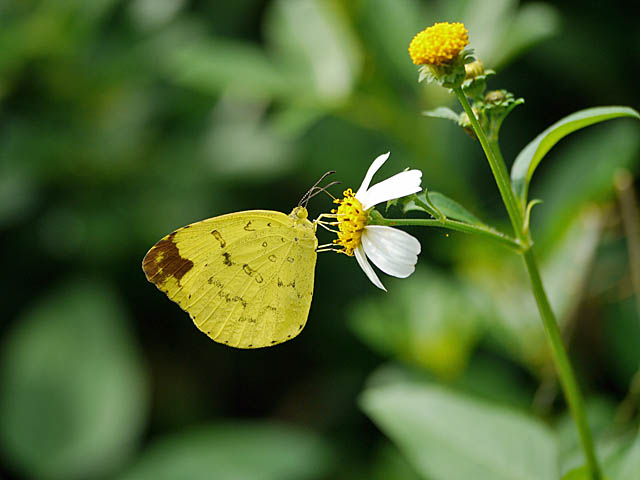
(301, 212)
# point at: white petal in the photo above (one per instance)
(364, 264)
(400, 185)
(391, 250)
(375, 166)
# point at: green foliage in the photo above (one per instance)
(73, 395)
(449, 436)
(506, 30)
(620, 457)
(516, 326)
(622, 338)
(436, 322)
(444, 113)
(531, 24)
(630, 463)
(577, 474)
(120, 121)
(247, 450)
(238, 69)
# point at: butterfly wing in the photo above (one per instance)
(246, 278)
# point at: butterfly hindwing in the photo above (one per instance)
(246, 278)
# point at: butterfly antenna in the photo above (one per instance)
(323, 189)
(306, 196)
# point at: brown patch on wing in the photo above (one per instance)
(164, 260)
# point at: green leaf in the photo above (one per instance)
(529, 158)
(448, 436)
(605, 150)
(448, 207)
(260, 451)
(388, 462)
(442, 112)
(581, 473)
(73, 397)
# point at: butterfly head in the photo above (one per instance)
(299, 214)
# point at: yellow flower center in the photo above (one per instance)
(351, 222)
(438, 44)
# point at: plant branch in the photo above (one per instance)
(499, 171)
(483, 231)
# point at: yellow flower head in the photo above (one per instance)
(439, 44)
(353, 219)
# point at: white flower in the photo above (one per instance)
(391, 250)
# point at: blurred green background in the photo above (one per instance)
(123, 120)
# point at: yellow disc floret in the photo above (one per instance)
(351, 222)
(438, 44)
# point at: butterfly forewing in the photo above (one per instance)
(246, 279)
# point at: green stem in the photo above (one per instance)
(558, 352)
(563, 366)
(483, 231)
(499, 171)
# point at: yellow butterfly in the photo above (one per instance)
(245, 278)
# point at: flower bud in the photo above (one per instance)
(474, 69)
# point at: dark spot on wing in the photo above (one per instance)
(272, 258)
(268, 224)
(218, 237)
(264, 244)
(252, 273)
(248, 228)
(164, 261)
(227, 259)
(290, 259)
(229, 297)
